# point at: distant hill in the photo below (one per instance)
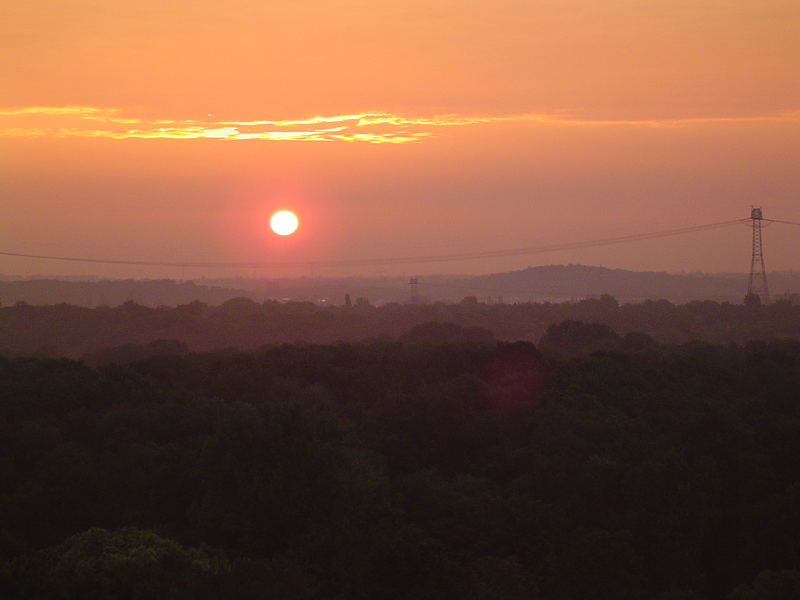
(556, 283)
(566, 282)
(113, 292)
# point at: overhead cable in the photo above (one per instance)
(395, 260)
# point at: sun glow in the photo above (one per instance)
(284, 222)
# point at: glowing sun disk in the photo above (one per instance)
(284, 222)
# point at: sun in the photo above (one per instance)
(284, 222)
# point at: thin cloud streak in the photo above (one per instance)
(368, 127)
(82, 111)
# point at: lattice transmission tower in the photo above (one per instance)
(757, 288)
(414, 284)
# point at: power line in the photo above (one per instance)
(398, 260)
(779, 221)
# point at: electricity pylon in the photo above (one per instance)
(414, 282)
(757, 288)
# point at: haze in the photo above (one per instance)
(171, 133)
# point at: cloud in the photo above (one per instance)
(369, 127)
(81, 111)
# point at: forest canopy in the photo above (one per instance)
(73, 331)
(600, 466)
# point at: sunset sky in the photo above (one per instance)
(172, 131)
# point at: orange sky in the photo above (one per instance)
(152, 132)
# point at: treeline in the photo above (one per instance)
(469, 470)
(66, 330)
(113, 292)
